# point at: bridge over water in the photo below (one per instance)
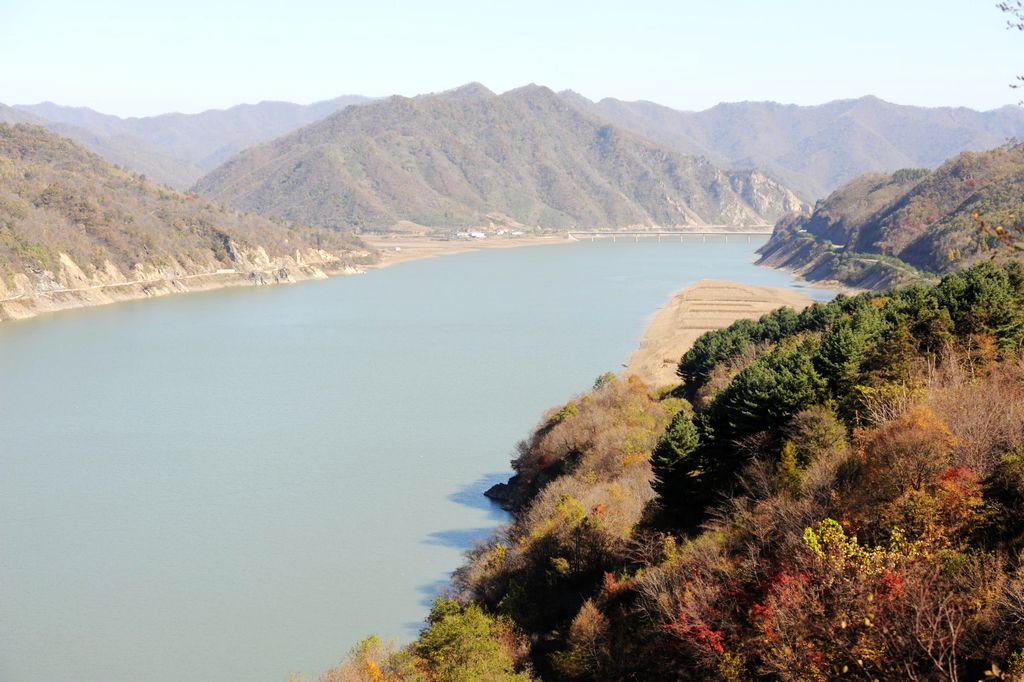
(714, 231)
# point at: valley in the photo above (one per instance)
(689, 347)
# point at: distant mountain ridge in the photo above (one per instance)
(811, 149)
(468, 156)
(176, 149)
(883, 230)
(815, 149)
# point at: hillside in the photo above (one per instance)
(836, 494)
(176, 149)
(811, 149)
(75, 230)
(468, 157)
(815, 149)
(869, 231)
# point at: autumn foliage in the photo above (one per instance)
(842, 499)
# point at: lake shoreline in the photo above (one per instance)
(694, 310)
(287, 270)
(391, 249)
(398, 249)
(255, 411)
(671, 330)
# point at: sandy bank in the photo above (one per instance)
(405, 248)
(708, 304)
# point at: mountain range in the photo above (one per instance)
(175, 149)
(815, 149)
(811, 149)
(468, 156)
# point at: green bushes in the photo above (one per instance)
(461, 644)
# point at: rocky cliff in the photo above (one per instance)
(75, 230)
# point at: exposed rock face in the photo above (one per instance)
(762, 193)
(40, 291)
(503, 494)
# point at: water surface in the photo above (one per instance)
(237, 484)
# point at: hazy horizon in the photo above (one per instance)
(131, 61)
(497, 92)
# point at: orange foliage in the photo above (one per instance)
(906, 452)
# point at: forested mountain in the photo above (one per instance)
(176, 149)
(72, 222)
(831, 495)
(811, 149)
(867, 232)
(468, 156)
(814, 149)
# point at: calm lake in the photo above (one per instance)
(238, 484)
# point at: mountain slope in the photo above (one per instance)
(12, 116)
(815, 149)
(75, 230)
(835, 494)
(812, 149)
(469, 156)
(877, 229)
(177, 149)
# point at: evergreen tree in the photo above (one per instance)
(671, 459)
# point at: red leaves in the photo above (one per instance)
(960, 494)
(699, 634)
(763, 616)
(892, 587)
(784, 594)
(610, 586)
(959, 477)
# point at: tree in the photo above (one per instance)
(839, 358)
(669, 458)
(767, 393)
(459, 644)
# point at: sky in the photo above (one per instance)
(137, 57)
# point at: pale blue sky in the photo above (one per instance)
(135, 57)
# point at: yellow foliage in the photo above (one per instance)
(829, 542)
(372, 671)
(568, 514)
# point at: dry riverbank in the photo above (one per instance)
(708, 304)
(673, 329)
(69, 287)
(406, 248)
